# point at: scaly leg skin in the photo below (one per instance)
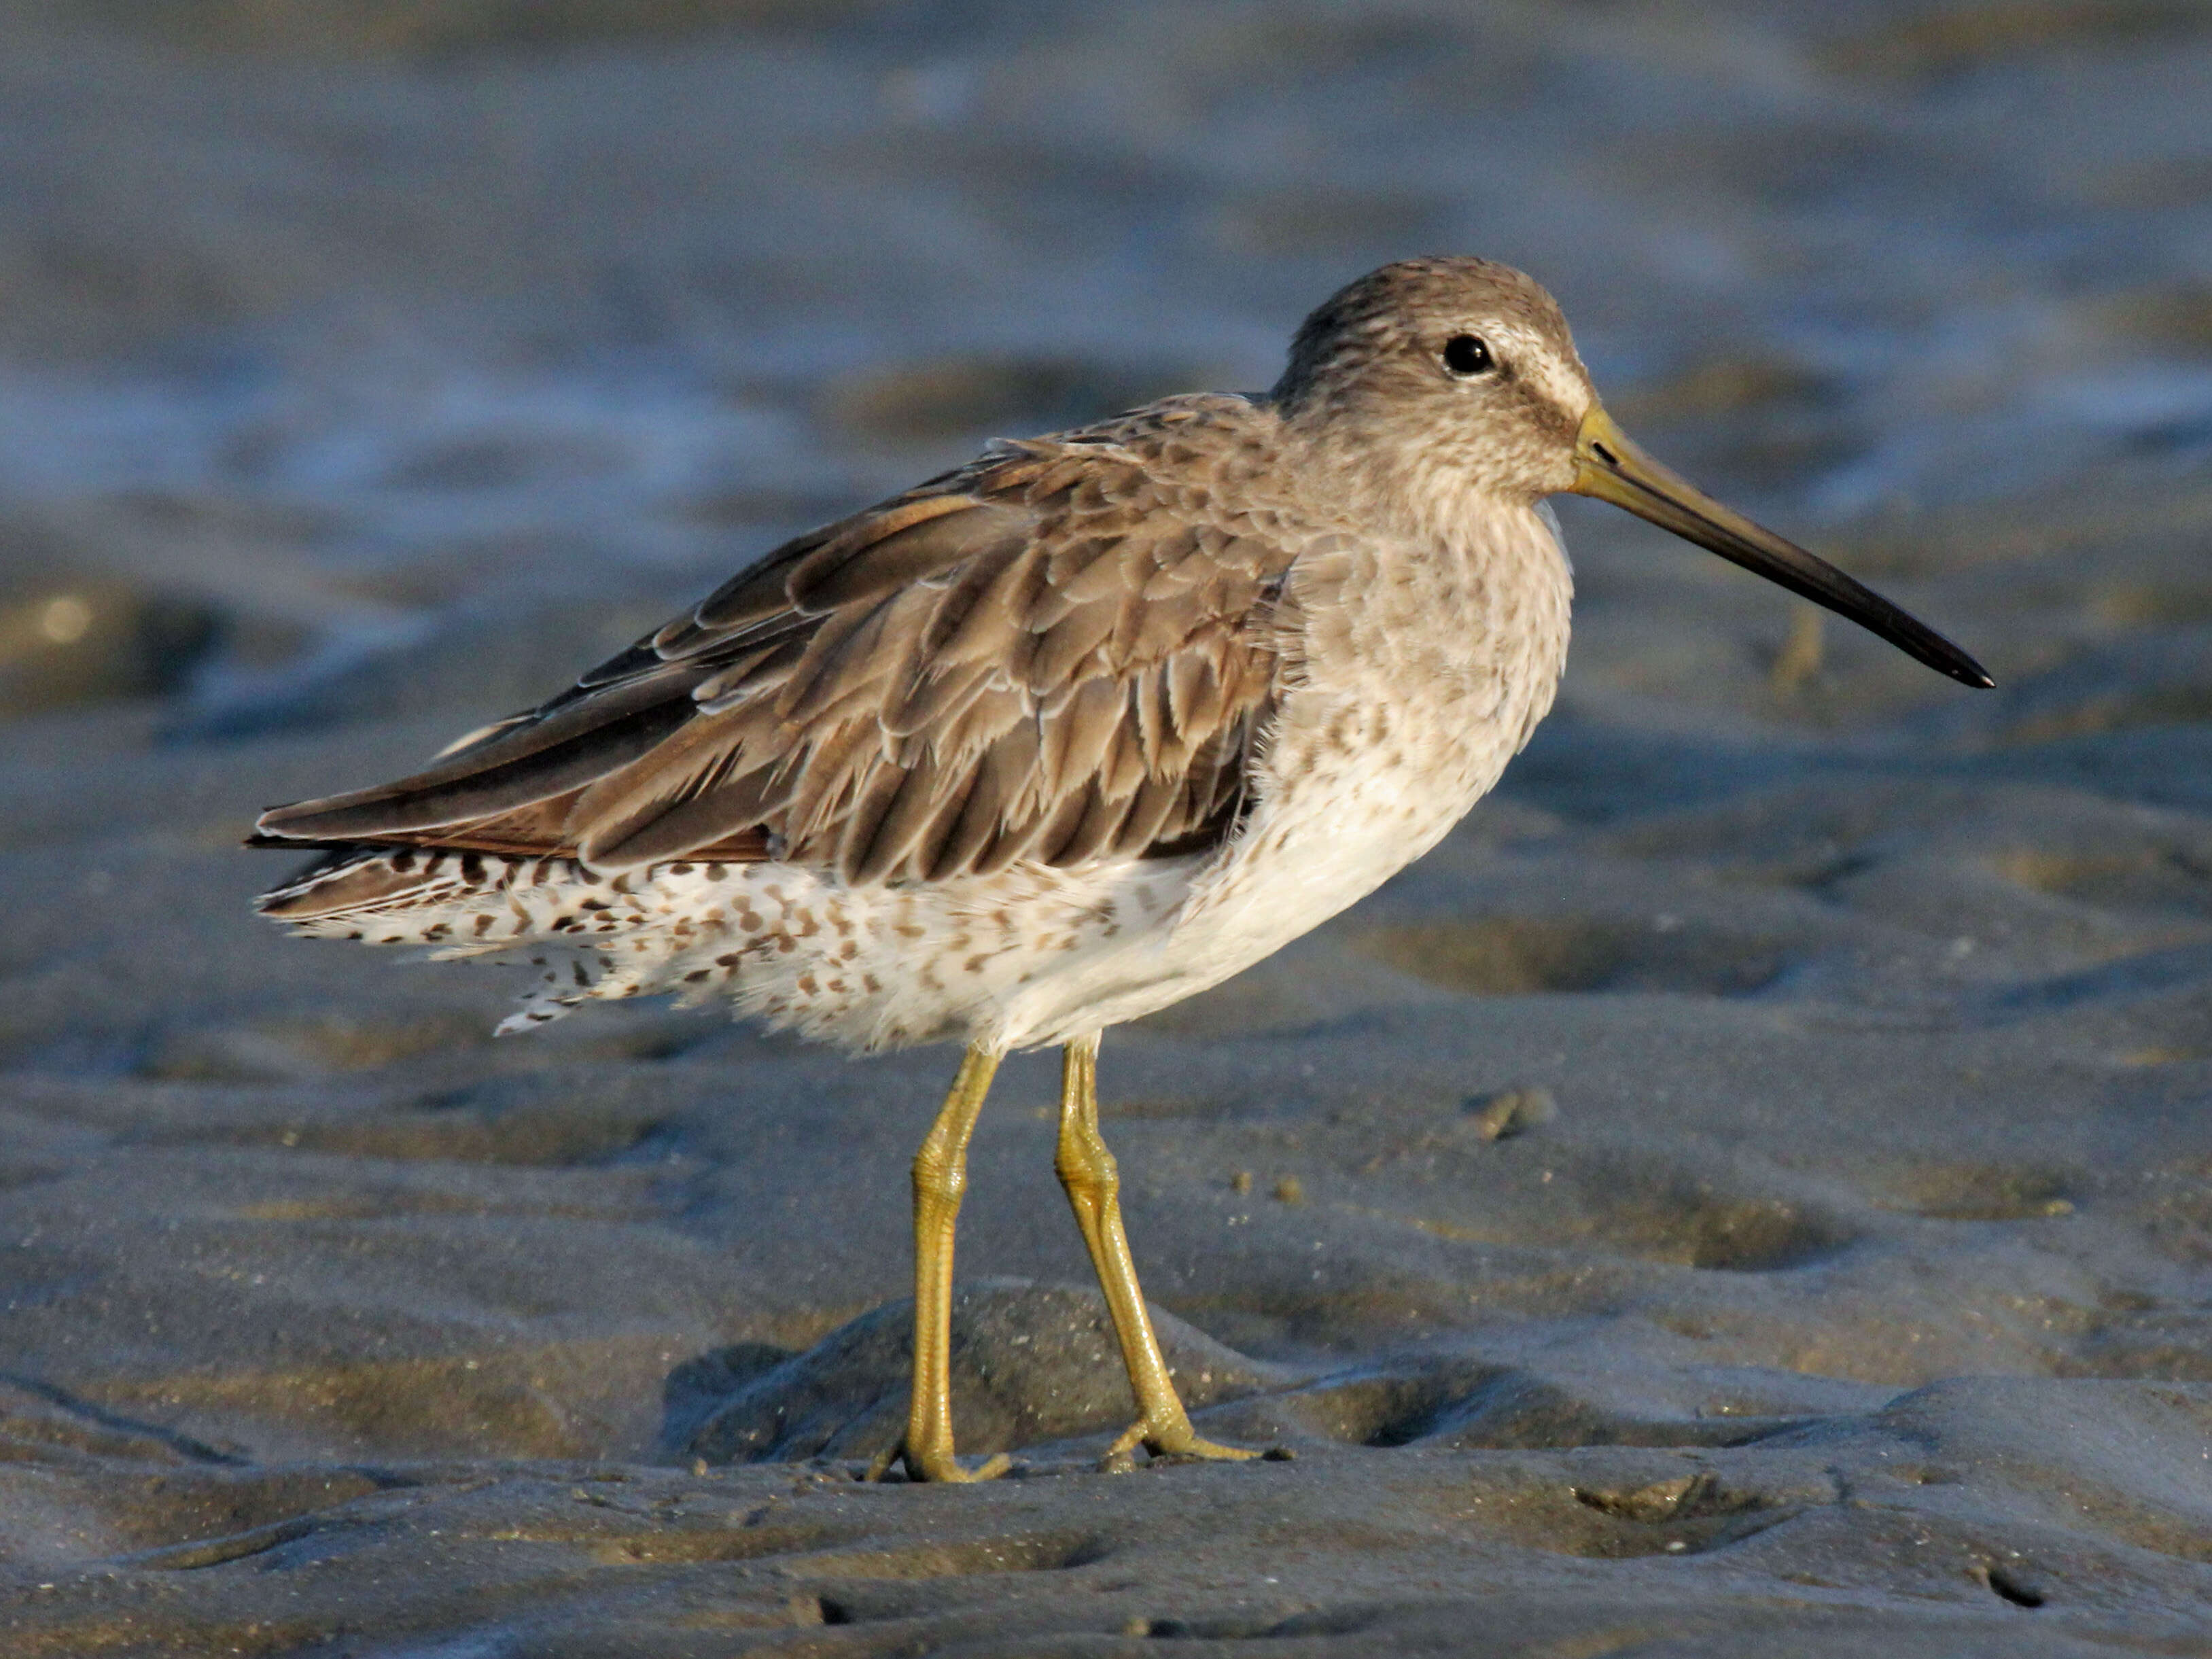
(940, 1174)
(1087, 1171)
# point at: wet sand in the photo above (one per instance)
(1748, 1192)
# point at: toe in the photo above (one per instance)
(943, 1466)
(1172, 1443)
(1198, 1451)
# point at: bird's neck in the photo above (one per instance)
(1422, 492)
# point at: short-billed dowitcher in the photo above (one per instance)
(1058, 739)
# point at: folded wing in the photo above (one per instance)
(1056, 654)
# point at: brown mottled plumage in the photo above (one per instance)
(1057, 652)
(1058, 739)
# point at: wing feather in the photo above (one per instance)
(1059, 652)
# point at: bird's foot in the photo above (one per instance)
(1167, 1442)
(934, 1463)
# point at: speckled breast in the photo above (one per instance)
(1421, 674)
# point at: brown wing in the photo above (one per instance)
(1062, 652)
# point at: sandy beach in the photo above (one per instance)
(1749, 1192)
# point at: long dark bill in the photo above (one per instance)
(1611, 468)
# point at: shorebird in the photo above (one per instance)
(1056, 739)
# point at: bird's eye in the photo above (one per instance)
(1465, 356)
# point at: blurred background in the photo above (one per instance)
(368, 368)
(334, 331)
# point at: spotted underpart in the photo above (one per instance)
(796, 949)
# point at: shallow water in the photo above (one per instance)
(366, 377)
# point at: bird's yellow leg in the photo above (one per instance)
(940, 1174)
(1093, 1184)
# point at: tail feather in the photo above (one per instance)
(541, 910)
(357, 881)
(466, 902)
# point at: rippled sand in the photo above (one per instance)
(1749, 1192)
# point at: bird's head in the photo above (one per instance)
(1457, 381)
